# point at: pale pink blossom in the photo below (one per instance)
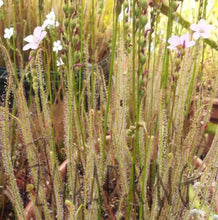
(177, 42)
(35, 39)
(201, 29)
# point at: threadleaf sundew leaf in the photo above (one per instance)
(108, 109)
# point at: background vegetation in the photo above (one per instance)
(117, 129)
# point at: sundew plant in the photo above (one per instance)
(106, 109)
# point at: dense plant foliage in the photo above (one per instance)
(103, 114)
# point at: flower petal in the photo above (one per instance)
(43, 34)
(174, 40)
(32, 46)
(27, 47)
(210, 27)
(45, 24)
(196, 35)
(190, 43)
(171, 47)
(29, 38)
(184, 37)
(205, 35)
(202, 23)
(194, 27)
(37, 32)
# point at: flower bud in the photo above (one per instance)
(71, 9)
(174, 5)
(137, 22)
(126, 17)
(142, 93)
(137, 11)
(178, 61)
(176, 76)
(99, 11)
(206, 136)
(128, 40)
(142, 59)
(141, 82)
(170, 155)
(143, 20)
(173, 87)
(76, 55)
(125, 4)
(66, 23)
(101, 5)
(29, 187)
(126, 25)
(182, 52)
(73, 23)
(141, 42)
(65, 8)
(64, 58)
(143, 3)
(75, 39)
(92, 112)
(174, 15)
(132, 128)
(128, 132)
(65, 37)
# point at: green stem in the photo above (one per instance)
(114, 38)
(69, 124)
(136, 115)
(92, 53)
(81, 48)
(40, 11)
(14, 62)
(170, 127)
(14, 43)
(9, 167)
(6, 147)
(165, 66)
(153, 74)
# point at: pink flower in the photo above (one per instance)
(180, 42)
(35, 39)
(201, 29)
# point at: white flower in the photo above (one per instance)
(215, 217)
(48, 24)
(193, 4)
(51, 15)
(50, 21)
(196, 185)
(160, 32)
(201, 29)
(60, 62)
(196, 213)
(1, 3)
(57, 46)
(8, 33)
(121, 16)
